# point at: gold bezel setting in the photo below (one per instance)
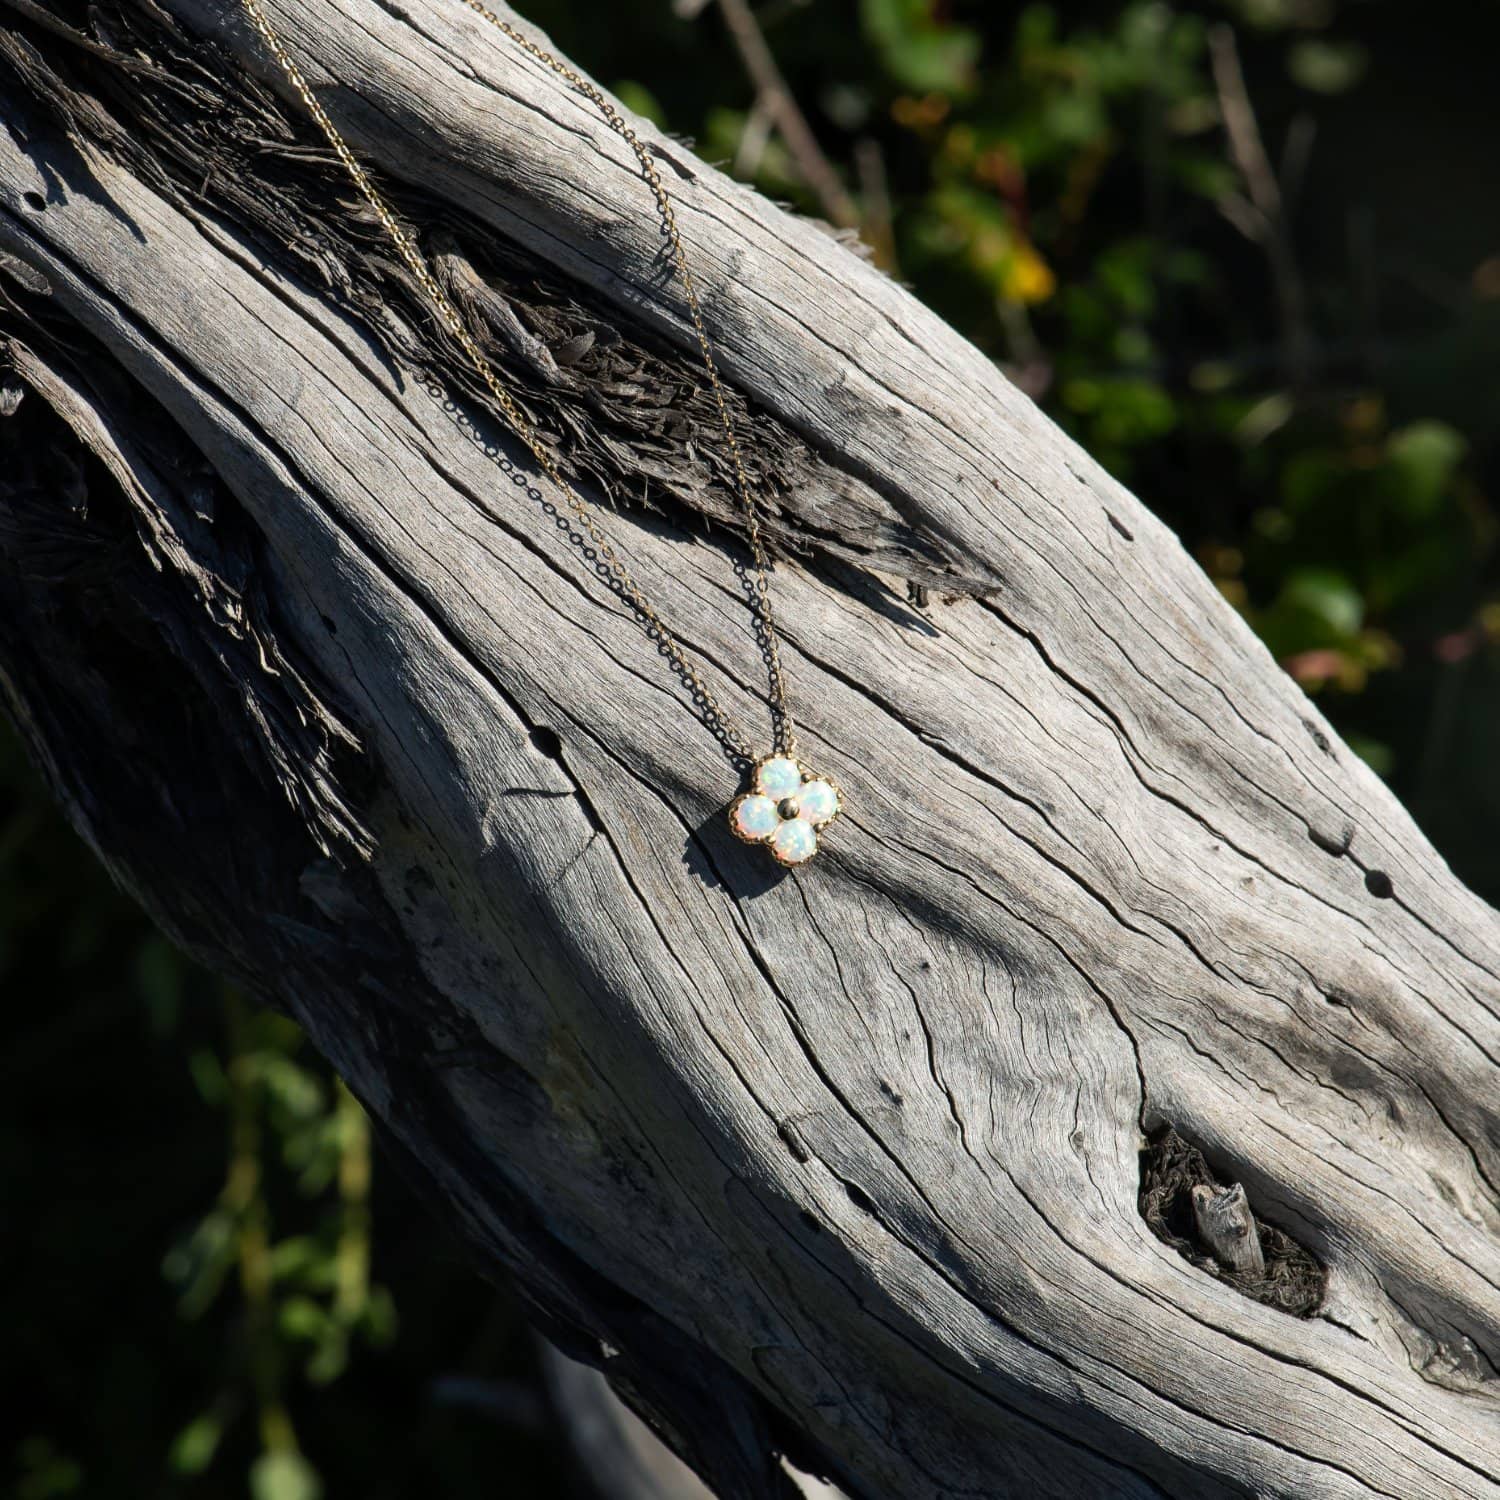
(766, 840)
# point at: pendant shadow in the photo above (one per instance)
(722, 862)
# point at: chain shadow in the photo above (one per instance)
(655, 629)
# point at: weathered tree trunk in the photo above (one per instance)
(845, 1164)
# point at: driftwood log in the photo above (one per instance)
(885, 1165)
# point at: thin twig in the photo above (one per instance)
(1263, 217)
(791, 124)
(1245, 143)
(874, 191)
(754, 139)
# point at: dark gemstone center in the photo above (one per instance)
(789, 807)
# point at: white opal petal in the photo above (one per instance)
(778, 777)
(755, 818)
(818, 801)
(795, 841)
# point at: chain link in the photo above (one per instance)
(784, 738)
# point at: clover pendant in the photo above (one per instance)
(785, 809)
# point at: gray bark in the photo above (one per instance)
(843, 1164)
(1227, 1226)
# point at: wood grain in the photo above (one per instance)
(842, 1163)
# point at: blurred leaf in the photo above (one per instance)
(637, 98)
(1027, 277)
(294, 1257)
(330, 1358)
(380, 1320)
(1133, 346)
(194, 1447)
(199, 1263)
(1276, 15)
(302, 1318)
(1074, 119)
(208, 1075)
(1126, 273)
(1326, 67)
(1424, 457)
(1375, 754)
(1127, 411)
(1316, 609)
(291, 1087)
(1207, 176)
(918, 51)
(1327, 597)
(284, 1475)
(1267, 416)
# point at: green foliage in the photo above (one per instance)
(1313, 405)
(307, 1296)
(916, 49)
(195, 1285)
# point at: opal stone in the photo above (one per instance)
(778, 777)
(756, 818)
(785, 811)
(818, 801)
(795, 841)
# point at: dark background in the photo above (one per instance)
(200, 1263)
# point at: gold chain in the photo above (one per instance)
(656, 627)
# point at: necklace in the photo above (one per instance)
(787, 805)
